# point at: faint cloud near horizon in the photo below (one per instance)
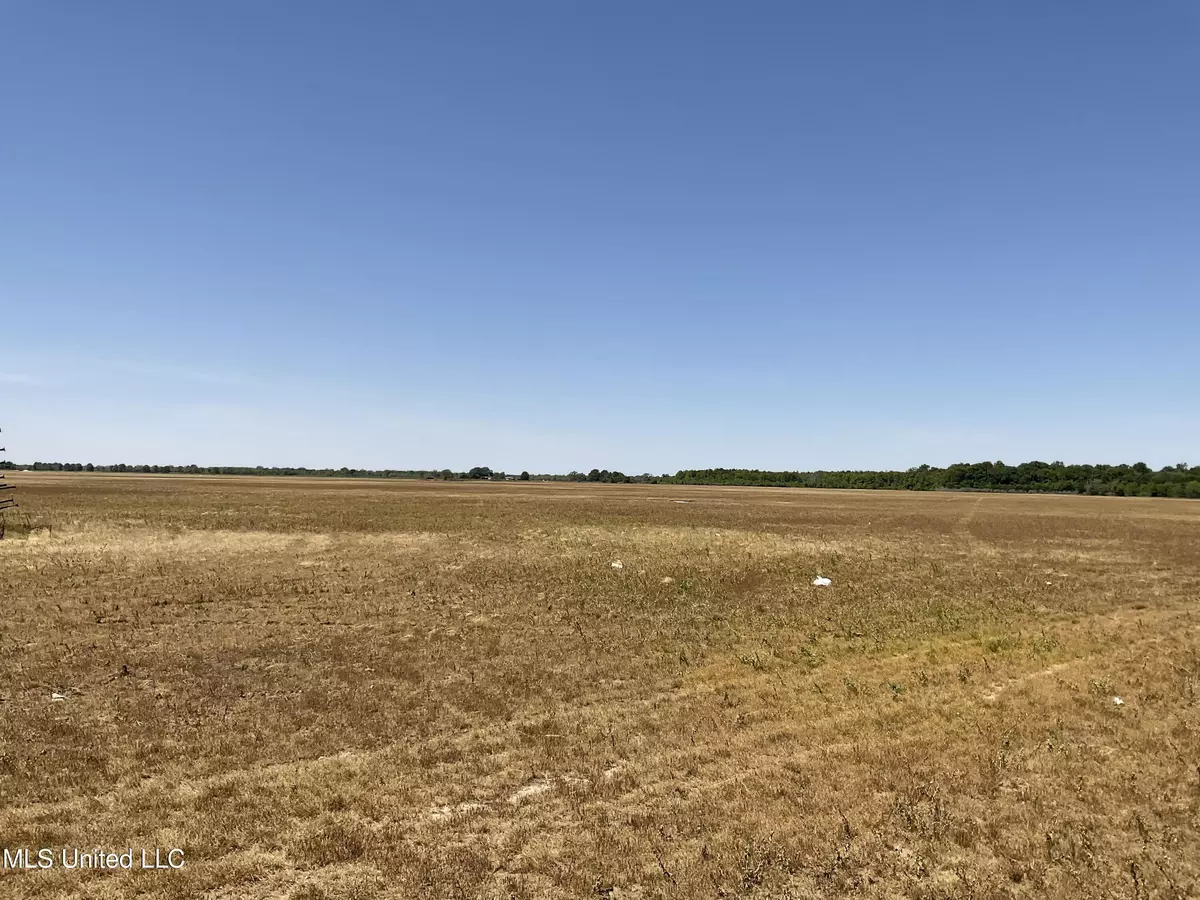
(69, 368)
(20, 378)
(179, 373)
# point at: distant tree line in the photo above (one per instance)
(231, 470)
(603, 476)
(1137, 480)
(484, 473)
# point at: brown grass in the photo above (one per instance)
(346, 689)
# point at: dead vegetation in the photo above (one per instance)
(343, 689)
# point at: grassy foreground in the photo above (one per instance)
(348, 689)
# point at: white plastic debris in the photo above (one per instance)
(1117, 701)
(821, 582)
(668, 580)
(56, 697)
(617, 564)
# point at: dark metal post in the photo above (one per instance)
(7, 501)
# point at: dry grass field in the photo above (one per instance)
(351, 689)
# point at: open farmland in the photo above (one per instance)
(355, 689)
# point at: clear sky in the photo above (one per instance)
(632, 235)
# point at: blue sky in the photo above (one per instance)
(640, 236)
